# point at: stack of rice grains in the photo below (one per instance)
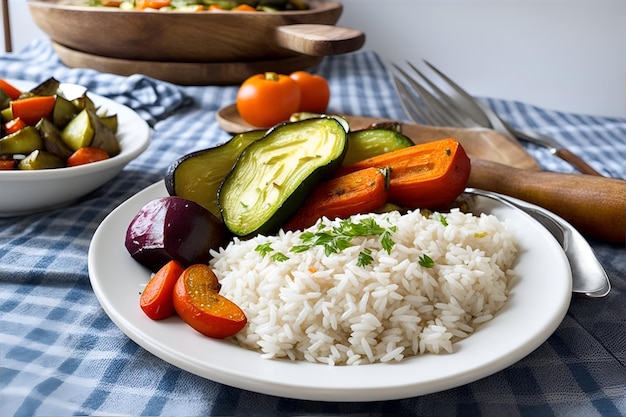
(373, 288)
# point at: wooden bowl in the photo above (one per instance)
(196, 37)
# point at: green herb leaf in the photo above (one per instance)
(300, 248)
(386, 241)
(442, 219)
(279, 257)
(426, 261)
(264, 248)
(365, 257)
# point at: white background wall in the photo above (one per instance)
(561, 54)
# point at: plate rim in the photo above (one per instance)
(256, 379)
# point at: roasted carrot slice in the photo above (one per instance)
(86, 155)
(32, 109)
(429, 175)
(156, 299)
(243, 8)
(7, 164)
(10, 89)
(14, 125)
(361, 191)
(198, 302)
(111, 3)
(151, 4)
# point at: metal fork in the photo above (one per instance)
(457, 108)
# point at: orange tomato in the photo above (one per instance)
(314, 91)
(198, 302)
(264, 100)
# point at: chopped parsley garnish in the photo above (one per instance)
(279, 257)
(442, 219)
(264, 248)
(426, 261)
(365, 257)
(338, 238)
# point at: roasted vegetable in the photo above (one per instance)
(24, 141)
(63, 112)
(86, 156)
(40, 160)
(366, 143)
(63, 126)
(48, 87)
(103, 137)
(156, 299)
(9, 89)
(274, 175)
(51, 136)
(173, 228)
(429, 175)
(198, 303)
(86, 129)
(362, 191)
(197, 176)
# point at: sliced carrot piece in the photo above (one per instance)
(7, 164)
(243, 8)
(14, 125)
(151, 4)
(32, 109)
(429, 175)
(10, 89)
(156, 299)
(361, 191)
(198, 302)
(111, 3)
(86, 155)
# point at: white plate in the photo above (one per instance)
(33, 191)
(538, 302)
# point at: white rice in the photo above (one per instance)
(327, 309)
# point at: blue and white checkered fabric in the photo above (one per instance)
(61, 355)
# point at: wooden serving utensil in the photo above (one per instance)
(596, 206)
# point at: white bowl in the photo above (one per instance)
(25, 192)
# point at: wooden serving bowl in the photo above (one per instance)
(195, 37)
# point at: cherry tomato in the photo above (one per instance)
(198, 302)
(264, 100)
(314, 91)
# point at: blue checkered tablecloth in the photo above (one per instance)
(60, 354)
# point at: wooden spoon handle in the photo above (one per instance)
(595, 205)
(576, 161)
(319, 40)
